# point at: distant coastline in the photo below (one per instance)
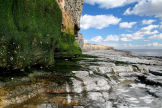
(90, 47)
(145, 52)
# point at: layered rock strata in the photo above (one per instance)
(71, 10)
(90, 47)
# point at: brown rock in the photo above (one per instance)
(71, 10)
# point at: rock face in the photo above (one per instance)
(71, 10)
(36, 32)
(89, 47)
(80, 40)
(136, 81)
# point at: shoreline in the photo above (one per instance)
(100, 78)
(130, 53)
(144, 55)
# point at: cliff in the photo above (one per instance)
(80, 40)
(90, 47)
(37, 31)
(71, 10)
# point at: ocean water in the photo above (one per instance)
(145, 52)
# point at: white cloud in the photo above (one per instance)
(127, 24)
(125, 39)
(131, 37)
(112, 38)
(148, 45)
(128, 11)
(148, 30)
(86, 41)
(97, 39)
(110, 3)
(155, 44)
(160, 27)
(141, 46)
(98, 21)
(147, 22)
(159, 36)
(132, 46)
(160, 45)
(146, 40)
(146, 8)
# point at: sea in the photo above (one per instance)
(145, 52)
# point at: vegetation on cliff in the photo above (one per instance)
(30, 33)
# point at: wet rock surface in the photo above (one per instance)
(112, 79)
(135, 81)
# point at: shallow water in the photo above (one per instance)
(145, 52)
(50, 101)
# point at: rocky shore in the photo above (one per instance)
(101, 79)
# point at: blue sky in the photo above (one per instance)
(123, 24)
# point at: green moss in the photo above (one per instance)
(67, 46)
(136, 68)
(87, 56)
(114, 75)
(121, 63)
(30, 30)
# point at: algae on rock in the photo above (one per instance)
(30, 33)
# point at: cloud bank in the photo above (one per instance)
(127, 24)
(98, 21)
(146, 8)
(107, 4)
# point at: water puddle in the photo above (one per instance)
(51, 101)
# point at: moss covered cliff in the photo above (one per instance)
(30, 34)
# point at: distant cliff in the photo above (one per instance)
(89, 47)
(37, 31)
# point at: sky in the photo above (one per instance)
(123, 24)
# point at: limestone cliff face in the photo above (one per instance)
(71, 11)
(89, 47)
(80, 40)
